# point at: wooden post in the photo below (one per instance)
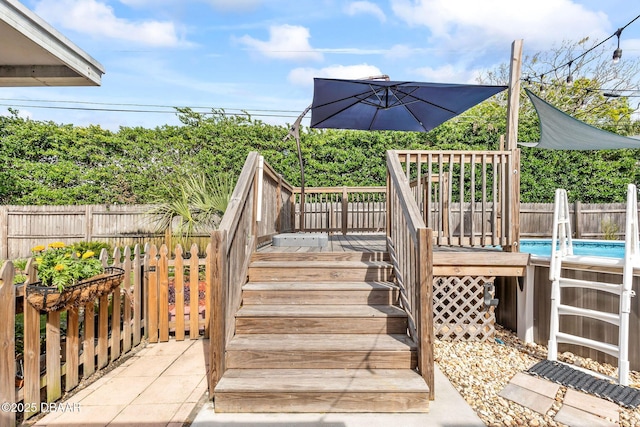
(278, 225)
(345, 210)
(151, 315)
(7, 343)
(513, 106)
(31, 387)
(512, 143)
(577, 223)
(218, 303)
(88, 223)
(425, 305)
(4, 232)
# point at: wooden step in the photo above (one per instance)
(320, 293)
(329, 351)
(320, 319)
(320, 256)
(319, 271)
(321, 390)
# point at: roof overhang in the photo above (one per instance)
(35, 54)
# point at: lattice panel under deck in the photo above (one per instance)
(459, 312)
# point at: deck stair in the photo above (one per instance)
(321, 332)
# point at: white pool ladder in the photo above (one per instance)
(562, 251)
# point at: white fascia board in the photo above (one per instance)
(50, 40)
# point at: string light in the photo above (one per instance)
(570, 77)
(617, 54)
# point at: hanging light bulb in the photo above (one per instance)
(570, 77)
(617, 54)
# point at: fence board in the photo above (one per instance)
(179, 293)
(73, 349)
(193, 290)
(54, 374)
(7, 342)
(163, 294)
(88, 346)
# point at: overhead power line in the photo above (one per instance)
(224, 111)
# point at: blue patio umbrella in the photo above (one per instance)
(391, 105)
(378, 103)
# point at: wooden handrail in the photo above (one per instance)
(241, 229)
(410, 245)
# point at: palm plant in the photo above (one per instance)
(196, 206)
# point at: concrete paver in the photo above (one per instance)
(576, 418)
(578, 409)
(161, 385)
(592, 404)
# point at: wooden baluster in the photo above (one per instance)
(163, 294)
(152, 312)
(178, 288)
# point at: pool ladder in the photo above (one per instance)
(562, 251)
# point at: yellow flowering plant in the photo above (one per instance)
(60, 265)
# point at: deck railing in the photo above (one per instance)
(342, 209)
(261, 206)
(410, 245)
(465, 196)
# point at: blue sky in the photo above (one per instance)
(261, 55)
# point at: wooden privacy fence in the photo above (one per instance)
(23, 227)
(410, 248)
(37, 367)
(588, 220)
(342, 209)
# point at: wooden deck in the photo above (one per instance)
(367, 242)
(447, 261)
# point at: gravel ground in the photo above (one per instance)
(480, 370)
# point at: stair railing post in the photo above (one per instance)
(425, 306)
(217, 328)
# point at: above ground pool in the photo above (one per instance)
(605, 248)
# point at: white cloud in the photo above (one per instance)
(304, 76)
(470, 22)
(447, 74)
(98, 19)
(288, 42)
(234, 5)
(365, 7)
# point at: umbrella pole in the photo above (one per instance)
(295, 132)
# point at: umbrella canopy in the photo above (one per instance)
(560, 131)
(391, 105)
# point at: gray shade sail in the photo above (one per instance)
(391, 105)
(560, 131)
